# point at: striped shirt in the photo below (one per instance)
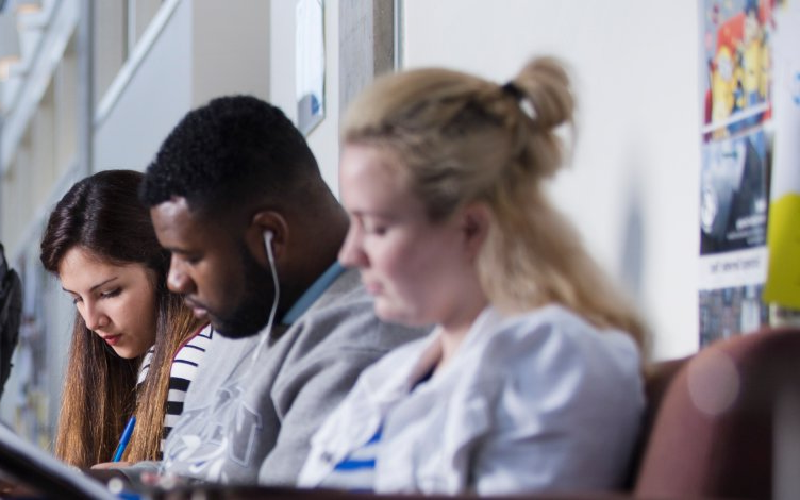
(181, 374)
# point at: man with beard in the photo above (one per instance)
(237, 198)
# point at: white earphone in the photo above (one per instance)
(268, 242)
(276, 297)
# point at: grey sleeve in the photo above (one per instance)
(309, 395)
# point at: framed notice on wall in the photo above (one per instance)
(310, 64)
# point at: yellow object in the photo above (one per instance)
(783, 240)
(752, 53)
(723, 87)
(766, 64)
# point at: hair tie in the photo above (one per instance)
(526, 105)
(511, 89)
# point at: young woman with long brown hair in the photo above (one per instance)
(99, 241)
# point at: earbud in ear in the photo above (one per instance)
(268, 247)
(268, 240)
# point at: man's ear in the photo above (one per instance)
(264, 222)
(475, 220)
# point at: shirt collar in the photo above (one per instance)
(312, 293)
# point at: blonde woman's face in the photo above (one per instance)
(116, 302)
(415, 269)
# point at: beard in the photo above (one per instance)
(252, 312)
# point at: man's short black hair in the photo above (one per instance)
(231, 152)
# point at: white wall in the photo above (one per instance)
(205, 50)
(230, 49)
(324, 139)
(634, 184)
(156, 97)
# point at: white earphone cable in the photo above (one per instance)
(276, 296)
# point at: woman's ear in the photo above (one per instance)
(475, 226)
(267, 228)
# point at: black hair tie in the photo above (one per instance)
(511, 89)
(526, 105)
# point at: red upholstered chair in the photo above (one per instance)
(658, 377)
(713, 434)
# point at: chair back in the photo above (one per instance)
(713, 432)
(658, 376)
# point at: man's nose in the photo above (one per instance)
(177, 279)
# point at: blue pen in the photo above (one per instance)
(123, 440)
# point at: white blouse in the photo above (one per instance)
(538, 401)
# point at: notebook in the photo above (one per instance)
(40, 470)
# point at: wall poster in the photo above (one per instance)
(736, 147)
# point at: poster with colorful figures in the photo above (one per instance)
(783, 276)
(736, 147)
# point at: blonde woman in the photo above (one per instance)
(531, 379)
